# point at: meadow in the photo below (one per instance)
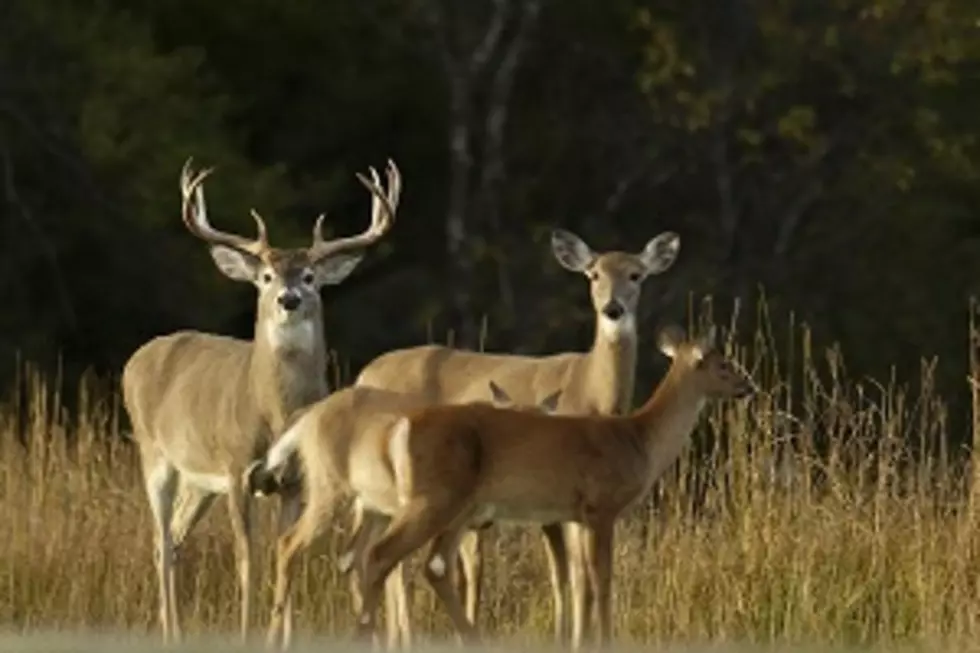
(824, 511)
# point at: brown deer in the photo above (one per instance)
(456, 466)
(597, 382)
(338, 440)
(203, 406)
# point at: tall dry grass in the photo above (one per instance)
(823, 511)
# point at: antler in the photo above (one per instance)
(383, 208)
(195, 215)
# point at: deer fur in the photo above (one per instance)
(597, 382)
(203, 406)
(340, 441)
(457, 466)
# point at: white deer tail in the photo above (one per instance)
(264, 476)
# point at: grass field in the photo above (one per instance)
(829, 514)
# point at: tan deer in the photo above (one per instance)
(338, 440)
(597, 382)
(457, 466)
(203, 406)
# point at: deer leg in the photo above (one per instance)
(191, 505)
(161, 488)
(576, 549)
(598, 547)
(408, 530)
(349, 562)
(558, 570)
(367, 525)
(440, 561)
(471, 579)
(397, 614)
(240, 508)
(290, 509)
(296, 538)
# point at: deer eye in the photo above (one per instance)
(267, 277)
(634, 276)
(308, 278)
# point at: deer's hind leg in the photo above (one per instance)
(414, 525)
(554, 537)
(296, 537)
(470, 581)
(191, 505)
(367, 527)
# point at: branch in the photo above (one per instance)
(812, 171)
(498, 110)
(494, 169)
(483, 52)
(480, 54)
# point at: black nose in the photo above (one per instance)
(289, 301)
(613, 310)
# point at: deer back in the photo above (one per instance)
(456, 376)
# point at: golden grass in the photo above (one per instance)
(826, 512)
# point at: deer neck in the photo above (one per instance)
(610, 367)
(287, 368)
(667, 420)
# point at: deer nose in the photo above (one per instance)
(289, 301)
(613, 310)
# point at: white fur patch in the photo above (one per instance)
(617, 329)
(284, 447)
(294, 336)
(437, 566)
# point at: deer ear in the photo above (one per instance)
(661, 252)
(334, 269)
(499, 395)
(550, 403)
(707, 340)
(670, 339)
(235, 264)
(571, 251)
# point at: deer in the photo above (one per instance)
(459, 466)
(203, 406)
(335, 442)
(597, 382)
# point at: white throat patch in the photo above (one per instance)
(624, 327)
(292, 336)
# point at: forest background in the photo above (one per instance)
(824, 155)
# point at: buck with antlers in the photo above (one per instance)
(203, 406)
(598, 382)
(342, 442)
(458, 466)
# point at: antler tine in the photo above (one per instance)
(382, 216)
(318, 229)
(394, 184)
(195, 215)
(263, 235)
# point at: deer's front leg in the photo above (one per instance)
(240, 509)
